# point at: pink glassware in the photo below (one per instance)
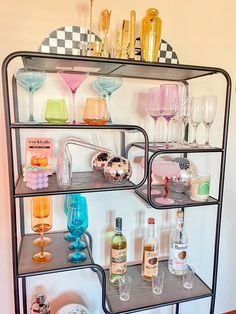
(153, 191)
(170, 104)
(73, 80)
(153, 108)
(166, 169)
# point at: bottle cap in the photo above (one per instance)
(151, 221)
(119, 222)
(152, 11)
(40, 299)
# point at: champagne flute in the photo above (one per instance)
(170, 105)
(184, 111)
(195, 117)
(41, 221)
(153, 108)
(30, 80)
(209, 105)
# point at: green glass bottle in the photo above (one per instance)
(117, 254)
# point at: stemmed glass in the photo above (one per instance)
(184, 111)
(68, 236)
(195, 117)
(209, 105)
(105, 86)
(166, 169)
(153, 108)
(73, 80)
(30, 80)
(77, 223)
(41, 221)
(170, 105)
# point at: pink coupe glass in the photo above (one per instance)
(166, 169)
(73, 80)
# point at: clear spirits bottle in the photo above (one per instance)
(150, 249)
(178, 243)
(118, 254)
(40, 305)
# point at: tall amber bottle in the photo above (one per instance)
(150, 35)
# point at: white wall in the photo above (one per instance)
(202, 33)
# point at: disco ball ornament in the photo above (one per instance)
(117, 170)
(100, 160)
(183, 182)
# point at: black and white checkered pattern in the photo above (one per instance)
(166, 53)
(67, 40)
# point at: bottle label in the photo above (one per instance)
(118, 265)
(178, 255)
(150, 263)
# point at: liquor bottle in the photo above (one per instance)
(40, 305)
(117, 254)
(150, 249)
(150, 35)
(178, 243)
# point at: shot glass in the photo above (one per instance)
(56, 111)
(124, 287)
(157, 282)
(200, 187)
(188, 277)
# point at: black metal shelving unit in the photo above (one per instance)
(142, 298)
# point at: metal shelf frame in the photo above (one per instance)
(109, 67)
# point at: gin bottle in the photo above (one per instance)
(117, 254)
(150, 249)
(178, 243)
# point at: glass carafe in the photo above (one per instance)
(150, 35)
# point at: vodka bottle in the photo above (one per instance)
(178, 243)
(150, 249)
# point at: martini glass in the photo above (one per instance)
(108, 85)
(30, 80)
(166, 169)
(73, 80)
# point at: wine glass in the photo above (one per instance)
(41, 221)
(170, 105)
(68, 236)
(153, 108)
(73, 80)
(77, 223)
(108, 85)
(184, 111)
(30, 80)
(209, 105)
(166, 169)
(195, 117)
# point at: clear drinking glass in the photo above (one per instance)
(30, 80)
(195, 117)
(153, 108)
(56, 111)
(209, 105)
(170, 105)
(125, 287)
(157, 282)
(188, 277)
(95, 112)
(73, 80)
(182, 116)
